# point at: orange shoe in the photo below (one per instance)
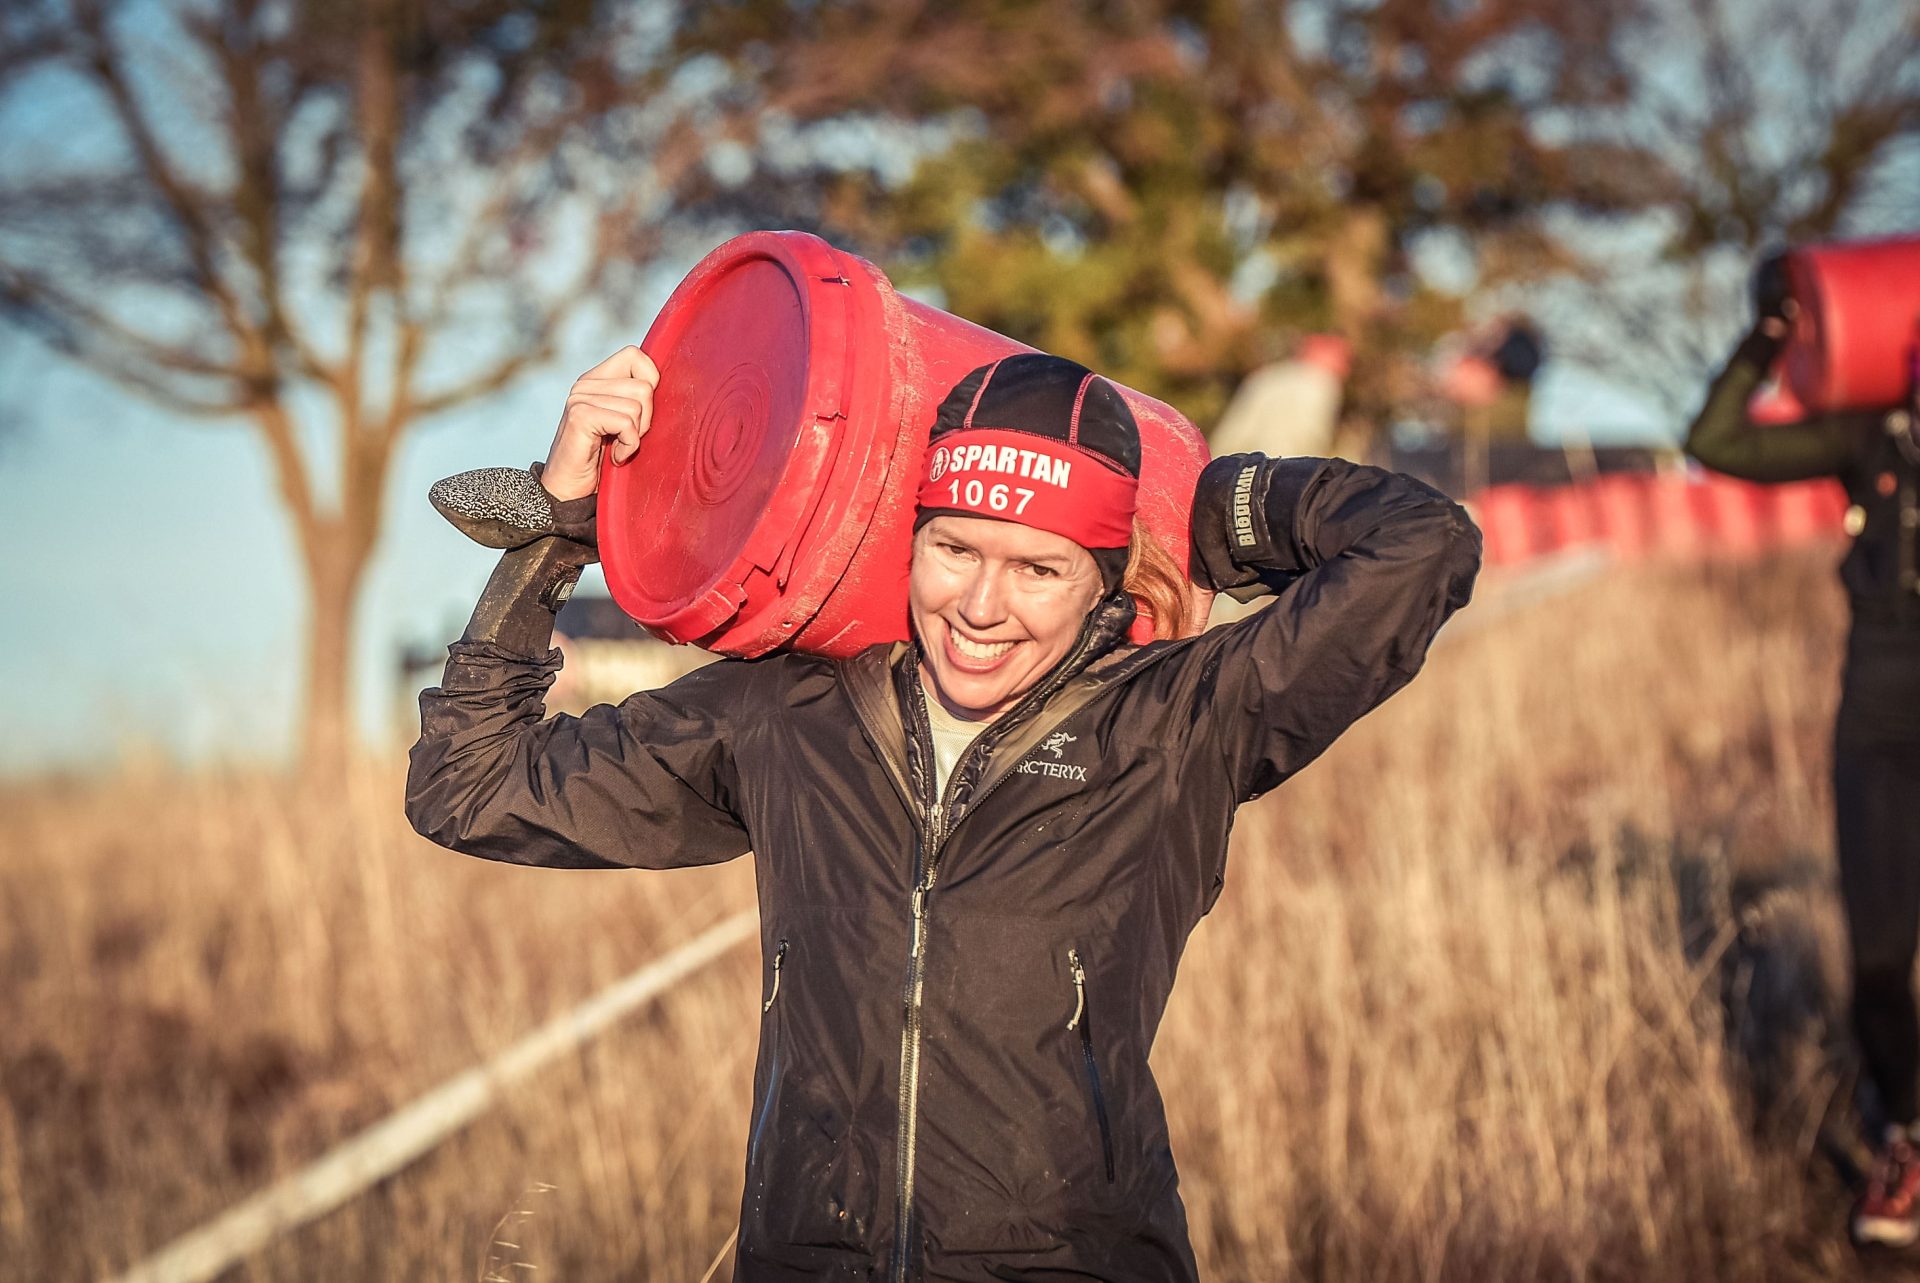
(1888, 1214)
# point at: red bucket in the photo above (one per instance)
(1808, 510)
(1852, 344)
(771, 504)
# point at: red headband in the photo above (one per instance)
(1034, 480)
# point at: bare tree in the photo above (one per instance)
(1760, 124)
(330, 222)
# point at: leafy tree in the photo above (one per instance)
(331, 222)
(1162, 188)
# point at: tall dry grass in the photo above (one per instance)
(1533, 978)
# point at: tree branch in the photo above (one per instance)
(510, 367)
(26, 290)
(255, 122)
(104, 60)
(103, 344)
(376, 252)
(289, 466)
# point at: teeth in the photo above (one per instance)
(979, 650)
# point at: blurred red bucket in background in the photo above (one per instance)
(1625, 506)
(1853, 340)
(1573, 516)
(771, 505)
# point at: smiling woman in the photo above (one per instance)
(995, 605)
(1026, 514)
(980, 851)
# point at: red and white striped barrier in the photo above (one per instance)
(1637, 515)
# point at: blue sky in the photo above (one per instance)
(152, 596)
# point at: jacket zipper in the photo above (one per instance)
(927, 870)
(779, 957)
(1083, 1020)
(773, 1069)
(926, 867)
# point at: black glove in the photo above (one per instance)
(1242, 524)
(547, 540)
(1772, 289)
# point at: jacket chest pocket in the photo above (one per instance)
(1082, 1024)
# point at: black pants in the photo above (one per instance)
(1876, 795)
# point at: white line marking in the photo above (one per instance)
(415, 1128)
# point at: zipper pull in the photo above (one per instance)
(919, 915)
(779, 956)
(1079, 987)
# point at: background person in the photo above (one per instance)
(1291, 407)
(1876, 744)
(980, 852)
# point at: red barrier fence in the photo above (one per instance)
(1655, 515)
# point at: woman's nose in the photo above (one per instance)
(983, 604)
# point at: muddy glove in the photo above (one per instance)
(1243, 524)
(548, 541)
(509, 508)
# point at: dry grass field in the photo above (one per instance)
(1534, 977)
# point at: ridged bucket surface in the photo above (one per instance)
(771, 504)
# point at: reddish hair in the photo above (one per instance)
(1159, 586)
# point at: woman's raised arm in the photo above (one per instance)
(1367, 564)
(647, 784)
(1723, 438)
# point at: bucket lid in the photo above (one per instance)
(753, 350)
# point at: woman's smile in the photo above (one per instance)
(976, 656)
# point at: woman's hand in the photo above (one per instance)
(1778, 327)
(612, 402)
(1774, 307)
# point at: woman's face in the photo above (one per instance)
(995, 605)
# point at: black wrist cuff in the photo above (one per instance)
(527, 589)
(1287, 487)
(1759, 349)
(575, 519)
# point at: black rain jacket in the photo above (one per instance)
(962, 990)
(1874, 454)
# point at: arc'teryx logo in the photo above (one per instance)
(1055, 744)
